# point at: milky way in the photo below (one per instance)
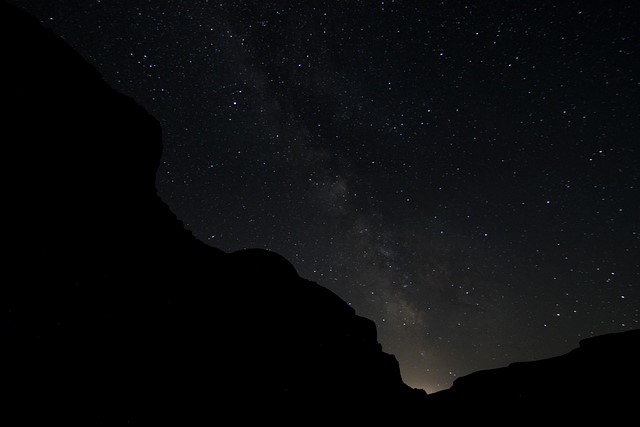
(464, 175)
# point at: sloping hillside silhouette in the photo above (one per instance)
(599, 378)
(113, 312)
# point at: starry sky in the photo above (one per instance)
(465, 174)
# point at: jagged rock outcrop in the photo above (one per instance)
(111, 312)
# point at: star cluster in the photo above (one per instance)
(465, 174)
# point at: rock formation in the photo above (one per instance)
(598, 379)
(113, 312)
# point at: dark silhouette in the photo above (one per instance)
(112, 313)
(598, 378)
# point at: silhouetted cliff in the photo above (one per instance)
(113, 313)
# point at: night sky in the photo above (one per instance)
(465, 174)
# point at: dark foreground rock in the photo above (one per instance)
(111, 312)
